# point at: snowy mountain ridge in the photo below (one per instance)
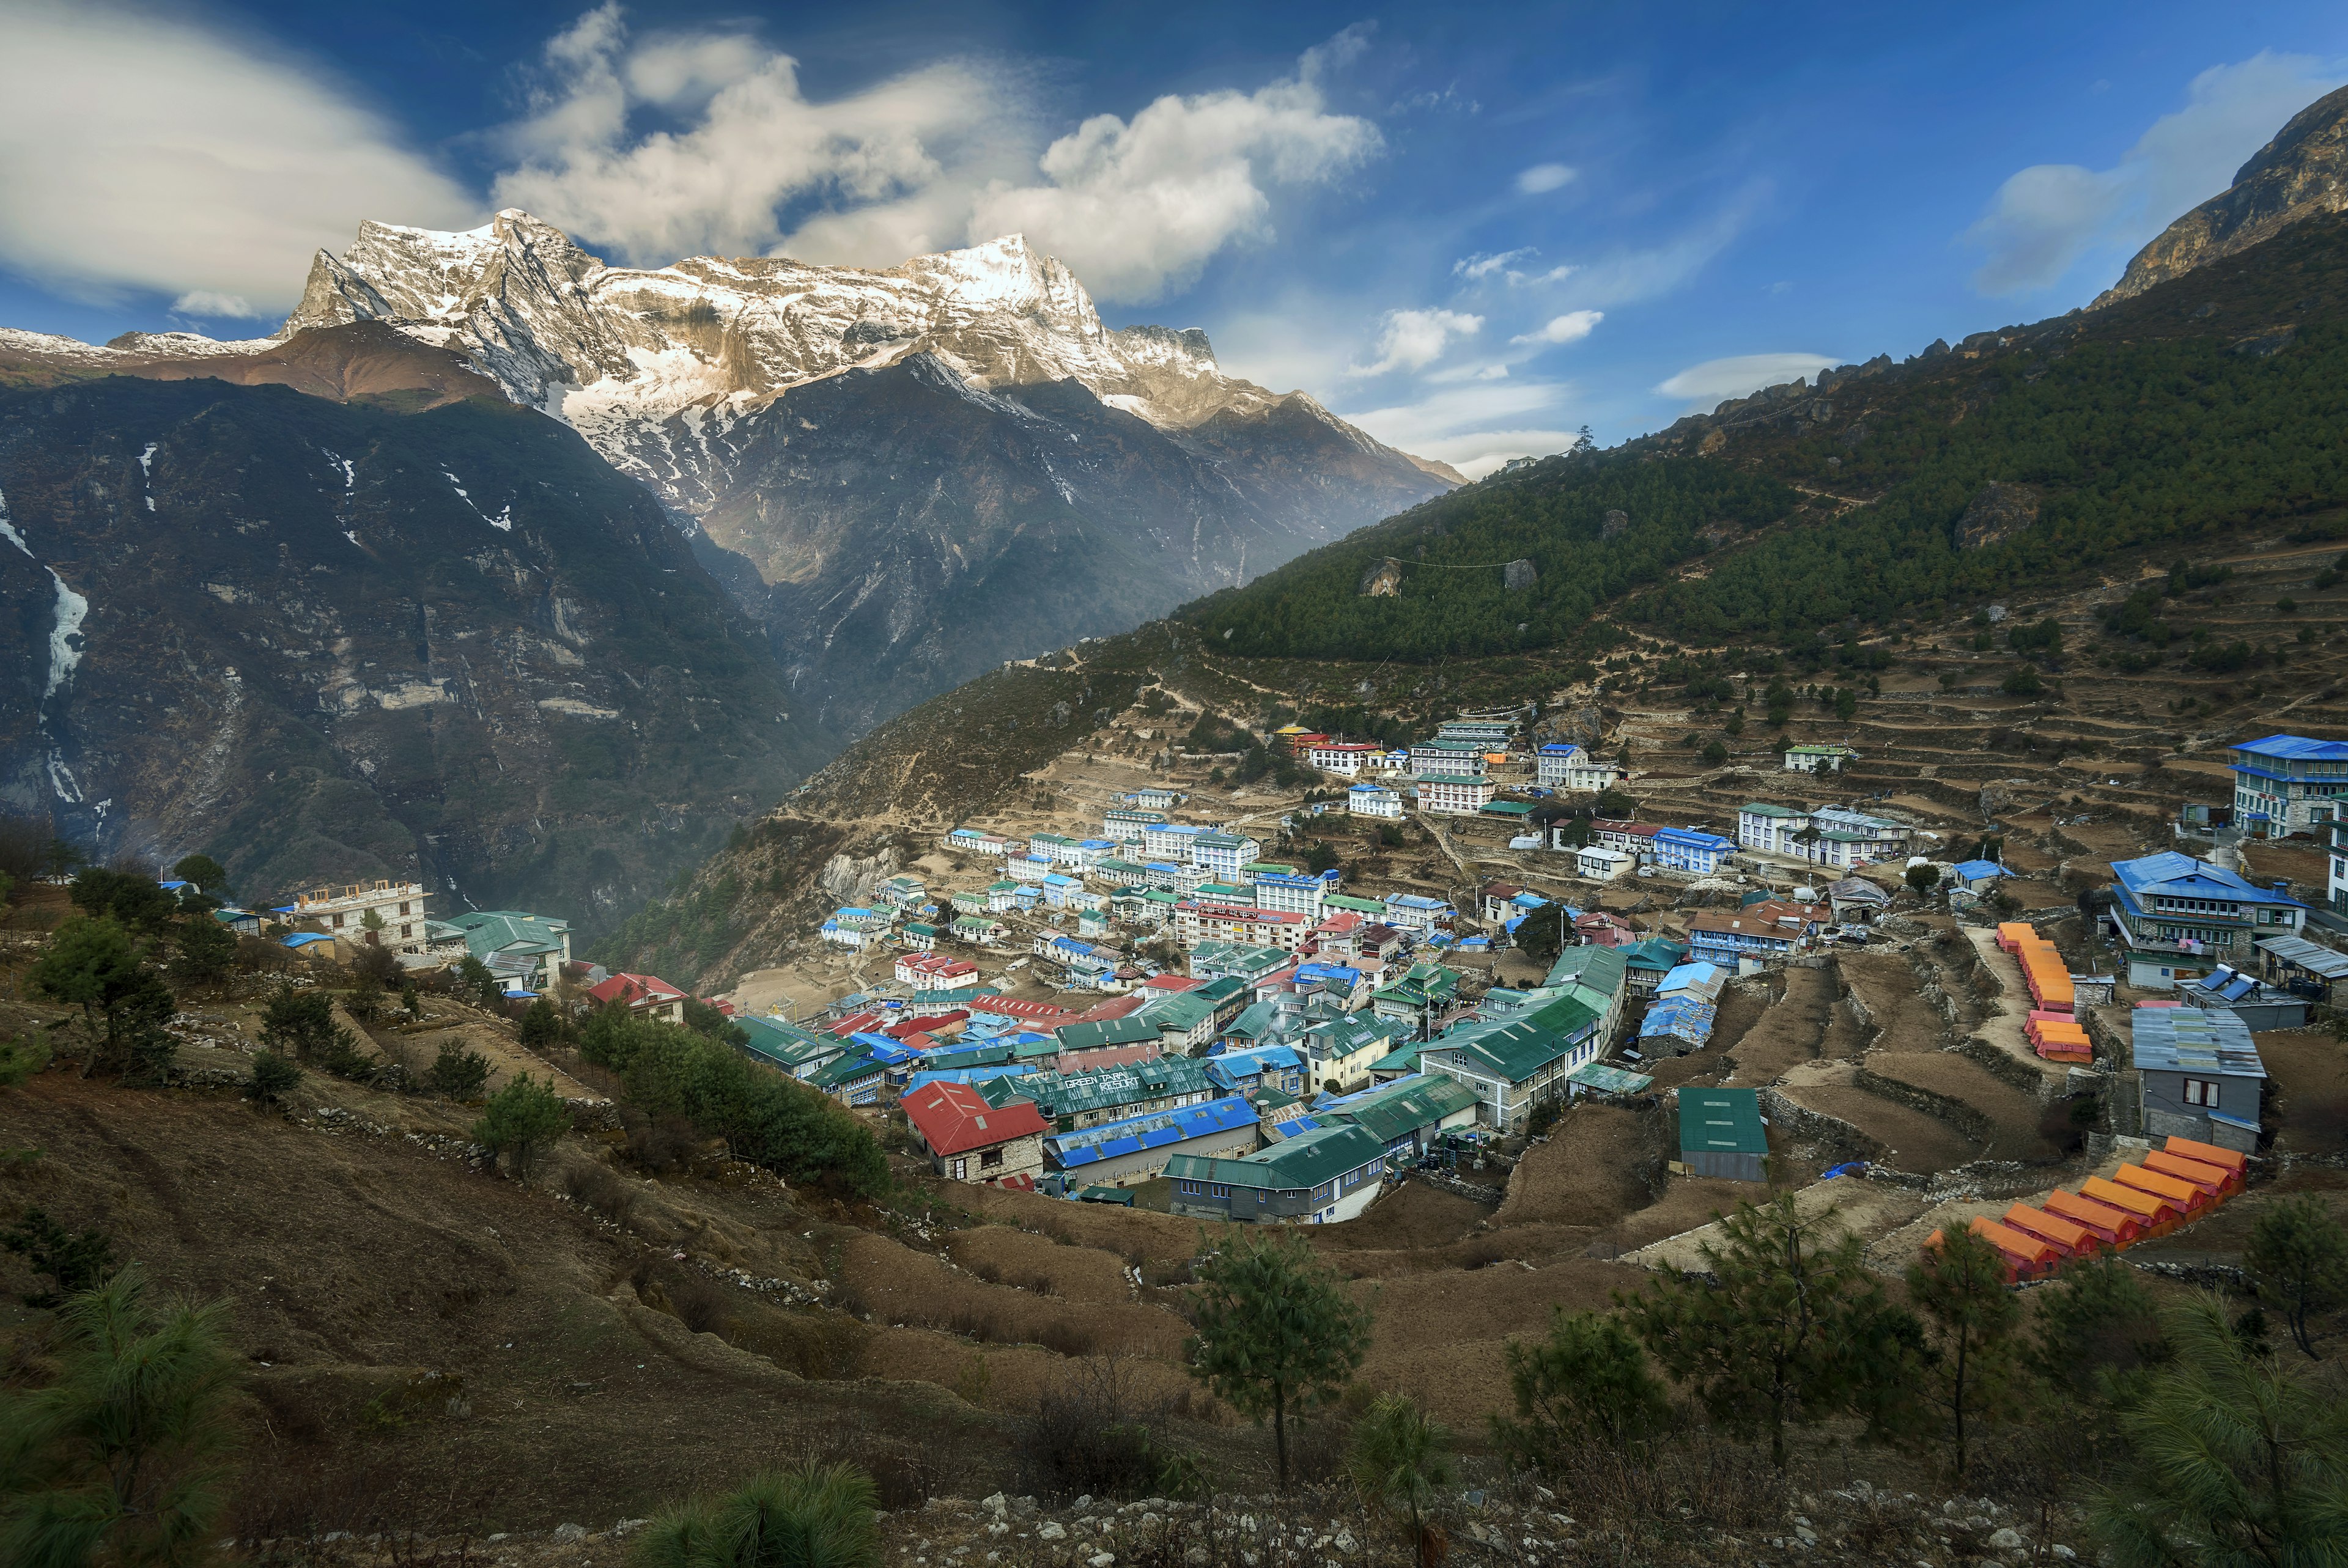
(648, 363)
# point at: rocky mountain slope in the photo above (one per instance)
(2301, 173)
(917, 471)
(320, 639)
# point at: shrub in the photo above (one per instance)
(71, 1261)
(274, 1077)
(457, 1073)
(815, 1516)
(2023, 682)
(519, 1121)
(1587, 1383)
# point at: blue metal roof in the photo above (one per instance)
(2169, 875)
(2296, 748)
(1090, 1145)
(1974, 870)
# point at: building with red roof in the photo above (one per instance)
(1043, 1016)
(935, 971)
(967, 1140)
(645, 996)
(1115, 1007)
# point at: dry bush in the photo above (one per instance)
(1071, 1339)
(702, 1305)
(602, 1189)
(1703, 1482)
(817, 1344)
(1096, 1431)
(659, 1143)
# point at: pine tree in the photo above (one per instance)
(2298, 1260)
(126, 1456)
(519, 1121)
(1972, 1370)
(1276, 1332)
(1785, 1330)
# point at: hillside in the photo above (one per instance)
(318, 638)
(2208, 404)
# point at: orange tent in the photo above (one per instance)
(2118, 1227)
(2155, 1213)
(2069, 1234)
(2023, 1254)
(2210, 1154)
(2188, 1198)
(2012, 933)
(2214, 1182)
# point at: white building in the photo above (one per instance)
(1596, 863)
(1454, 795)
(1449, 758)
(1224, 856)
(1819, 759)
(1169, 840)
(1568, 767)
(1298, 894)
(1771, 829)
(397, 908)
(1372, 800)
(1126, 824)
(1344, 758)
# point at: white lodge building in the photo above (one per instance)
(398, 907)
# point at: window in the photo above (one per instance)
(990, 1159)
(961, 1170)
(2201, 1092)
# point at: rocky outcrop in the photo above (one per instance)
(2301, 173)
(1997, 512)
(1383, 580)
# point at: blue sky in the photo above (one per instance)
(1473, 230)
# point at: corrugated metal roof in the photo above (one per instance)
(1091, 1145)
(1722, 1122)
(2193, 1039)
(2316, 960)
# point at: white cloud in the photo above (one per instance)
(1476, 267)
(944, 156)
(1717, 380)
(1544, 176)
(1476, 428)
(1413, 340)
(140, 150)
(2044, 218)
(208, 303)
(1570, 327)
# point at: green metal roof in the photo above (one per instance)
(1127, 1031)
(1508, 807)
(1297, 1164)
(786, 1045)
(1182, 1011)
(848, 1069)
(1600, 969)
(1722, 1122)
(1358, 906)
(1455, 779)
(1404, 1108)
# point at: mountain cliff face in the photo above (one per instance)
(322, 639)
(2304, 171)
(918, 470)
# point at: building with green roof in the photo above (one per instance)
(1721, 1133)
(1184, 1022)
(1080, 1099)
(852, 1080)
(1516, 1063)
(516, 945)
(786, 1046)
(1369, 909)
(1323, 1176)
(1423, 990)
(1406, 1115)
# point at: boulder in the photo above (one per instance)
(1381, 580)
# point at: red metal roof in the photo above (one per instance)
(1171, 983)
(953, 1119)
(1115, 1007)
(636, 990)
(1019, 1008)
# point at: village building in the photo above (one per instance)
(1819, 759)
(1086, 1098)
(1196, 922)
(1418, 997)
(2198, 1076)
(1319, 1177)
(1454, 795)
(1447, 759)
(1568, 768)
(381, 913)
(1721, 1135)
(930, 971)
(1416, 913)
(1126, 824)
(2176, 917)
(978, 931)
(1170, 840)
(854, 927)
(2288, 784)
(1596, 863)
(1337, 1052)
(903, 892)
(788, 1047)
(1293, 893)
(855, 1079)
(644, 996)
(1408, 1115)
(1344, 758)
(1242, 1070)
(1512, 1065)
(1744, 937)
(1152, 798)
(2300, 966)
(969, 1139)
(1224, 856)
(1372, 800)
(1136, 1148)
(1770, 829)
(521, 949)
(1636, 839)
(1692, 850)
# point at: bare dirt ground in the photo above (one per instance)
(1789, 1032)
(2309, 1069)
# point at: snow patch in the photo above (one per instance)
(503, 521)
(147, 460)
(8, 527)
(64, 650)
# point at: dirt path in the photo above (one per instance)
(2003, 1014)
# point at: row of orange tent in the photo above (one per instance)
(2179, 1182)
(2057, 1037)
(2043, 969)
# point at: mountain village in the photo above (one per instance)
(1134, 1006)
